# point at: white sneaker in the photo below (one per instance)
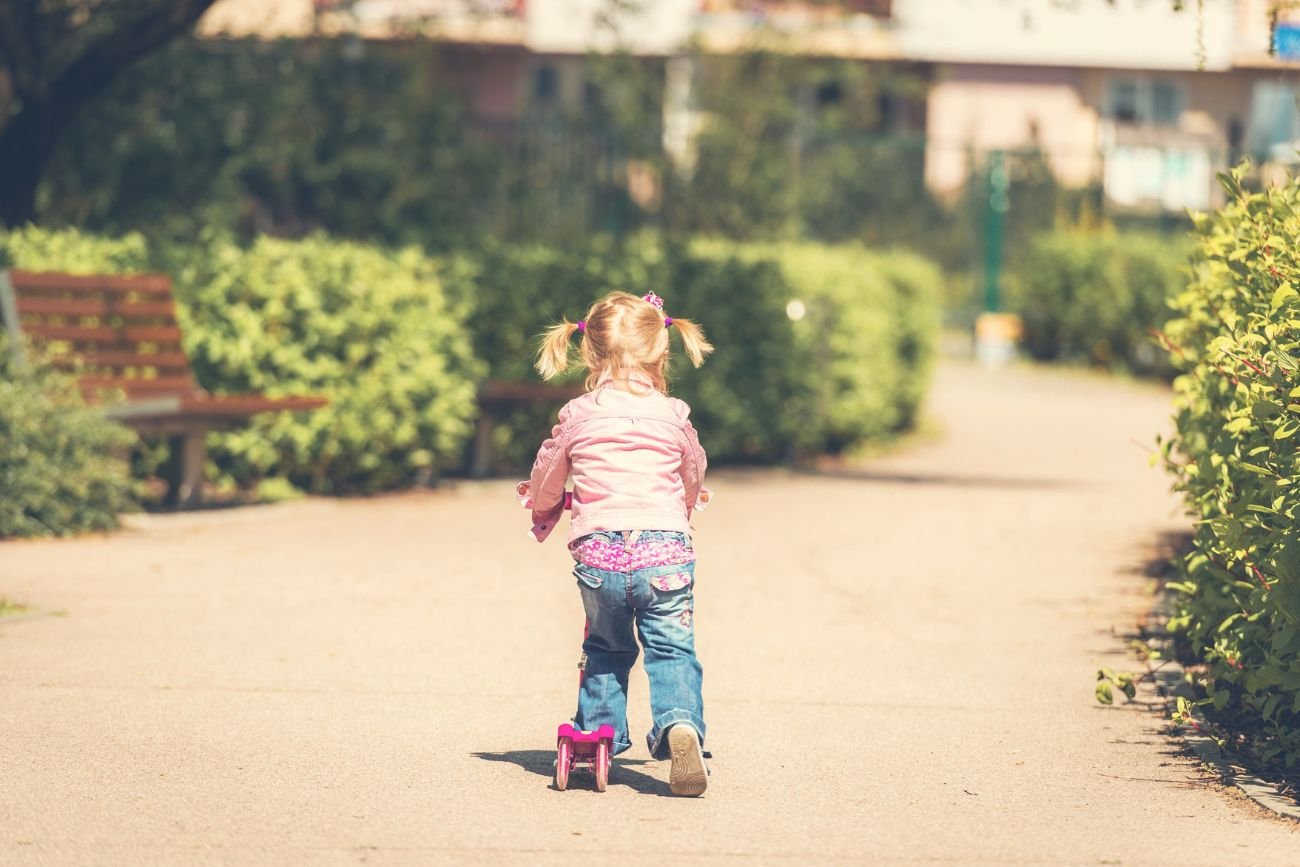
(688, 776)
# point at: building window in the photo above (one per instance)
(1273, 134)
(1145, 101)
(1124, 100)
(1166, 103)
(546, 85)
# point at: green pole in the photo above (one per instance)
(994, 216)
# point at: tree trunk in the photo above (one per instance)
(25, 145)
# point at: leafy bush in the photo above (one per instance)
(1235, 459)
(371, 329)
(36, 249)
(739, 394)
(751, 395)
(1096, 298)
(511, 293)
(58, 466)
(918, 284)
(865, 343)
(854, 369)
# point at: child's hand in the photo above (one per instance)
(702, 501)
(524, 493)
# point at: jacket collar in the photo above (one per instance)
(607, 378)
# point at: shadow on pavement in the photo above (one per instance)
(542, 763)
(940, 480)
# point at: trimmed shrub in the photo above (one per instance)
(874, 318)
(370, 329)
(750, 399)
(739, 395)
(865, 342)
(35, 249)
(58, 468)
(918, 283)
(1235, 458)
(854, 369)
(1096, 298)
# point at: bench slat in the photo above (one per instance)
(238, 405)
(137, 333)
(127, 334)
(95, 307)
(138, 385)
(124, 359)
(156, 284)
(196, 403)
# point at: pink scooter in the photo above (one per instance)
(575, 748)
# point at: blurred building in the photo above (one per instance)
(1143, 99)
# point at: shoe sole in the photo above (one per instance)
(688, 775)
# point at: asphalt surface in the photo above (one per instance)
(899, 663)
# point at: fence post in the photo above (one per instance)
(996, 333)
(994, 216)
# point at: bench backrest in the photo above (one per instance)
(122, 329)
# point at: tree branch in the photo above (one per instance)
(18, 46)
(103, 59)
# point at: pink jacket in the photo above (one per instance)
(635, 459)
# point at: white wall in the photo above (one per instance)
(1132, 34)
(574, 26)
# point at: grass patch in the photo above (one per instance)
(9, 608)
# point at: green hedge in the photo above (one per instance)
(1095, 298)
(59, 473)
(867, 338)
(1236, 461)
(70, 250)
(750, 399)
(369, 328)
(738, 395)
(853, 369)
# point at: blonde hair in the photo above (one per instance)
(622, 335)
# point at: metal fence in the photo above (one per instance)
(561, 183)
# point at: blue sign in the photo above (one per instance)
(1286, 41)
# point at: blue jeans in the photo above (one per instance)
(614, 601)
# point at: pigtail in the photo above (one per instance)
(693, 340)
(553, 356)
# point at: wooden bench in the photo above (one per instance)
(496, 398)
(122, 335)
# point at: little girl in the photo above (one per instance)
(637, 469)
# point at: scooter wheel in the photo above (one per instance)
(602, 765)
(563, 761)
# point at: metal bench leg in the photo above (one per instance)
(481, 462)
(185, 470)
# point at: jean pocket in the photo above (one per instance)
(672, 581)
(588, 576)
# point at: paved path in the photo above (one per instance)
(898, 670)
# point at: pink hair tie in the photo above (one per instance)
(582, 326)
(668, 320)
